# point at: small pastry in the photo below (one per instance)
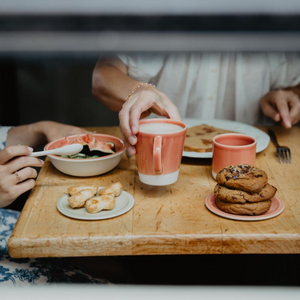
(113, 189)
(99, 203)
(77, 188)
(78, 200)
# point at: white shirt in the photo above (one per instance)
(216, 85)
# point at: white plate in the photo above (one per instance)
(261, 137)
(124, 203)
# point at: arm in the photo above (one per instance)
(283, 105)
(112, 86)
(36, 134)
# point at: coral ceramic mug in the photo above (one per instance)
(159, 150)
(232, 149)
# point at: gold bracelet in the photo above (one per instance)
(141, 84)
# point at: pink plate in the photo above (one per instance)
(277, 207)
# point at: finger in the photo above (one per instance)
(124, 123)
(270, 111)
(131, 151)
(136, 112)
(18, 189)
(283, 109)
(23, 187)
(129, 148)
(295, 113)
(23, 162)
(145, 107)
(12, 151)
(127, 144)
(294, 103)
(23, 175)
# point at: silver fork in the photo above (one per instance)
(283, 152)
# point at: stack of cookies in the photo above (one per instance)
(243, 190)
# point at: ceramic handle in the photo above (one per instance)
(157, 154)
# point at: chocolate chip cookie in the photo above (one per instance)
(238, 196)
(243, 177)
(252, 209)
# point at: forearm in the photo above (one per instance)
(31, 135)
(111, 84)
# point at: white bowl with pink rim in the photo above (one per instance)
(88, 166)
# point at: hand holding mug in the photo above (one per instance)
(141, 104)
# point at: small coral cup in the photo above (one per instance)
(232, 149)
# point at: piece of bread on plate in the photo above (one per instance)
(78, 200)
(77, 188)
(99, 203)
(113, 189)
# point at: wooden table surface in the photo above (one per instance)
(164, 220)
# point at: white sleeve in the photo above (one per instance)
(143, 67)
(3, 134)
(285, 70)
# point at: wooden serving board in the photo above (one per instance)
(164, 220)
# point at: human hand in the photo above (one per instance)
(282, 105)
(16, 174)
(54, 130)
(140, 105)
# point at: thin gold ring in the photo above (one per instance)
(18, 176)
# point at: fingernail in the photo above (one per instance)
(41, 161)
(134, 129)
(132, 140)
(30, 149)
(288, 124)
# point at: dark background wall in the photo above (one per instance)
(48, 87)
(37, 85)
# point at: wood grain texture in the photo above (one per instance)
(164, 220)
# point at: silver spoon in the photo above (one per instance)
(65, 150)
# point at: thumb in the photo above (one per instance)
(10, 152)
